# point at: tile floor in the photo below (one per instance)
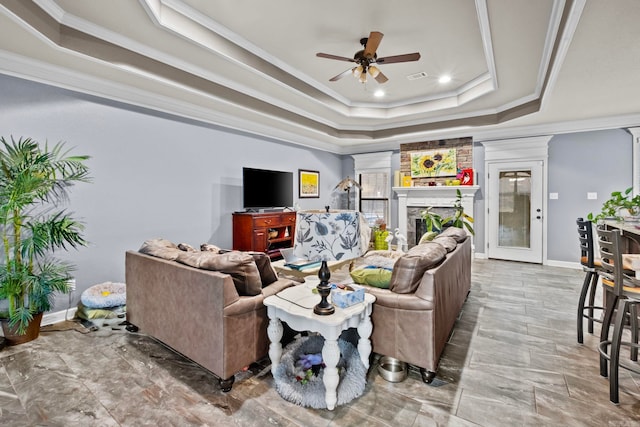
(512, 360)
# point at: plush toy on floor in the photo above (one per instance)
(307, 366)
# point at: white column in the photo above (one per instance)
(402, 213)
(635, 133)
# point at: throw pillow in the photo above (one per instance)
(210, 248)
(267, 274)
(372, 276)
(161, 248)
(381, 261)
(457, 233)
(186, 247)
(408, 271)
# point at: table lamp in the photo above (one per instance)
(327, 236)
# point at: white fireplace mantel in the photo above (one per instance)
(436, 196)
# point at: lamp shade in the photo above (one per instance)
(327, 236)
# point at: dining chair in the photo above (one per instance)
(625, 295)
(590, 265)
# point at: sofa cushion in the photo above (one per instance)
(409, 269)
(161, 248)
(378, 277)
(457, 233)
(449, 243)
(239, 265)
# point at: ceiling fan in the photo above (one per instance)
(367, 59)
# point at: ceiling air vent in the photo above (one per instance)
(416, 76)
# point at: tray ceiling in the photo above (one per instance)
(252, 65)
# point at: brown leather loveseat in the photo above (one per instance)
(177, 298)
(413, 319)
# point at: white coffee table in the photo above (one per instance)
(295, 306)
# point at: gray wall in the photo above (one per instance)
(597, 161)
(154, 175)
(600, 162)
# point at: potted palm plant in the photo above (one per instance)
(34, 181)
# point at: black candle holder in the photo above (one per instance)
(324, 307)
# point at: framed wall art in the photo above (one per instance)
(434, 163)
(309, 183)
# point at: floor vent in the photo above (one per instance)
(416, 76)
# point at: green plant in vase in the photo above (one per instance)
(435, 223)
(432, 220)
(619, 204)
(34, 182)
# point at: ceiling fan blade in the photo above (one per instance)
(341, 75)
(381, 78)
(339, 58)
(372, 44)
(399, 58)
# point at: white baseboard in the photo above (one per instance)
(564, 264)
(58, 316)
(549, 262)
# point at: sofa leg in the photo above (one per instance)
(226, 385)
(427, 376)
(130, 327)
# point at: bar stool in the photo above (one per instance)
(625, 296)
(590, 265)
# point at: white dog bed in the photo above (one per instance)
(312, 394)
(105, 295)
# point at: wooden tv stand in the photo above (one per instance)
(251, 232)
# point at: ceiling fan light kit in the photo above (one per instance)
(367, 59)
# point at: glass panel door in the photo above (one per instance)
(514, 214)
(514, 209)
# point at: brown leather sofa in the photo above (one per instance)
(199, 313)
(412, 320)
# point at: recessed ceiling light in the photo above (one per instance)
(378, 93)
(444, 79)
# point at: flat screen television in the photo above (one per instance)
(262, 188)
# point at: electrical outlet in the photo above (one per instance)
(72, 284)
